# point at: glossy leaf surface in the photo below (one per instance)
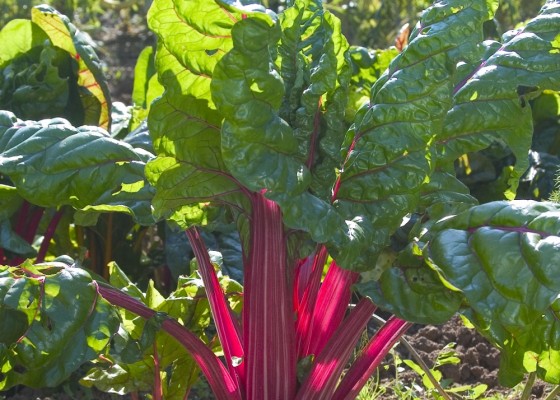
(503, 257)
(50, 166)
(34, 347)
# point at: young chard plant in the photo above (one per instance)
(253, 129)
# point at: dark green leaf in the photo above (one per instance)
(503, 259)
(492, 101)
(53, 307)
(53, 163)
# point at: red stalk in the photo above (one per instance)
(158, 388)
(23, 216)
(329, 364)
(307, 304)
(371, 357)
(27, 226)
(49, 233)
(228, 330)
(33, 224)
(219, 379)
(302, 271)
(268, 321)
(332, 302)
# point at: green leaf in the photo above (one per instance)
(53, 163)
(19, 36)
(121, 378)
(492, 101)
(121, 116)
(412, 291)
(146, 87)
(502, 257)
(367, 67)
(390, 154)
(143, 71)
(52, 306)
(188, 175)
(136, 344)
(10, 201)
(94, 92)
(315, 68)
(34, 85)
(10, 241)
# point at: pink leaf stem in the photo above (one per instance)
(228, 330)
(307, 304)
(376, 350)
(158, 388)
(49, 233)
(219, 379)
(332, 302)
(329, 364)
(268, 321)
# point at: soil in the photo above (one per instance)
(479, 361)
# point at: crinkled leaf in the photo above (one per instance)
(53, 163)
(444, 195)
(53, 307)
(36, 85)
(184, 124)
(503, 258)
(63, 34)
(389, 148)
(390, 153)
(315, 68)
(412, 291)
(492, 102)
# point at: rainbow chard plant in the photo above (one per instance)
(256, 128)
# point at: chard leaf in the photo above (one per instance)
(139, 341)
(492, 102)
(94, 92)
(389, 156)
(53, 163)
(10, 201)
(367, 66)
(503, 257)
(412, 291)
(35, 347)
(11, 241)
(315, 68)
(143, 71)
(33, 85)
(390, 152)
(18, 37)
(184, 123)
(146, 87)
